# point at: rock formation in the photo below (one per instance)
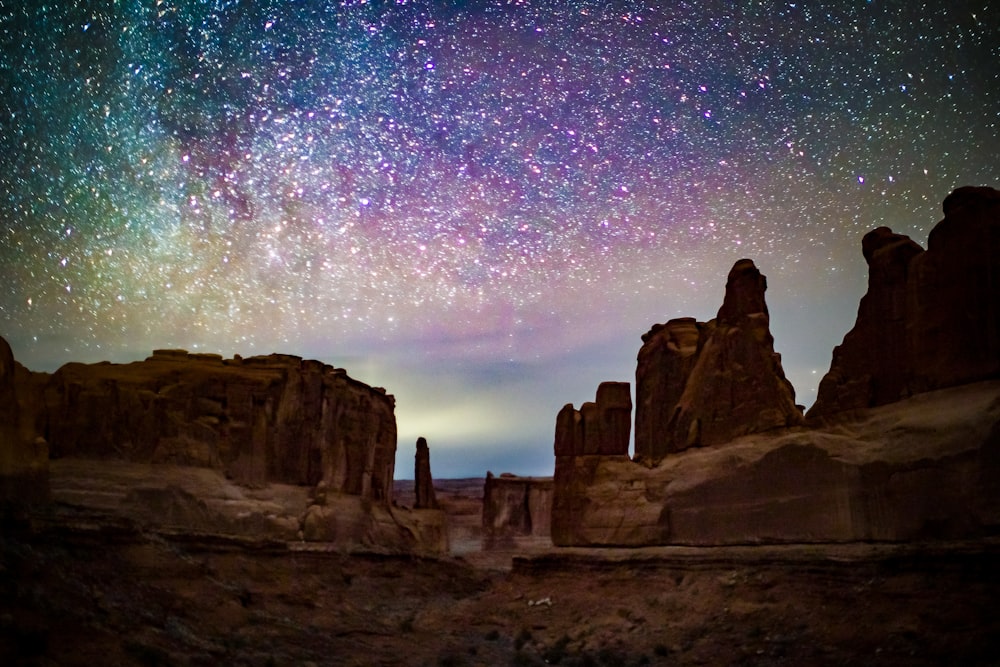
(271, 447)
(423, 484)
(923, 468)
(275, 418)
(930, 319)
(703, 384)
(24, 459)
(598, 430)
(918, 462)
(601, 427)
(515, 507)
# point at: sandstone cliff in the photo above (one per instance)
(24, 458)
(514, 508)
(930, 319)
(923, 468)
(276, 418)
(272, 447)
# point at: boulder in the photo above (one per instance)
(703, 384)
(930, 319)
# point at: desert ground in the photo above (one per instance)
(77, 588)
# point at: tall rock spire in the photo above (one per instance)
(705, 384)
(423, 483)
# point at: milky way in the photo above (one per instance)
(479, 205)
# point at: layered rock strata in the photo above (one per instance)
(601, 427)
(514, 508)
(930, 319)
(598, 430)
(923, 468)
(700, 384)
(275, 418)
(272, 447)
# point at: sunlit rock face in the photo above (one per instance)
(930, 319)
(703, 384)
(262, 419)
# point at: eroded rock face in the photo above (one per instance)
(930, 319)
(703, 384)
(600, 428)
(597, 430)
(923, 468)
(262, 419)
(870, 366)
(665, 362)
(515, 507)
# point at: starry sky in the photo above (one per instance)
(480, 206)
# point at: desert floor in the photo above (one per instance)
(96, 593)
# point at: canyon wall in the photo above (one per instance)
(272, 447)
(274, 418)
(24, 456)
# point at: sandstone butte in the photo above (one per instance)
(515, 509)
(272, 447)
(903, 442)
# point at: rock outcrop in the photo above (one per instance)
(423, 483)
(24, 458)
(703, 384)
(923, 468)
(596, 431)
(271, 447)
(930, 319)
(902, 444)
(515, 508)
(601, 427)
(275, 418)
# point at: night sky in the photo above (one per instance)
(480, 206)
